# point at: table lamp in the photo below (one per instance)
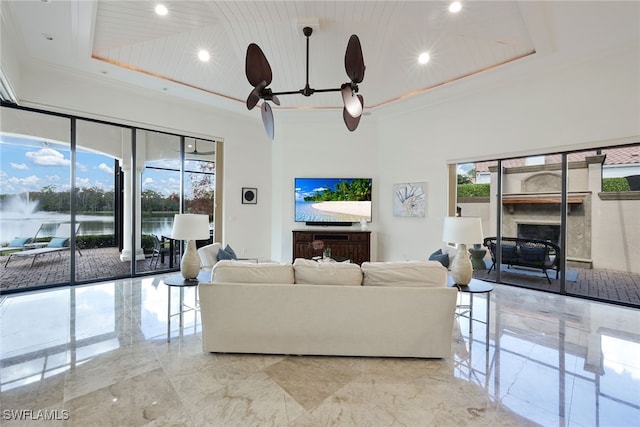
(190, 227)
(462, 230)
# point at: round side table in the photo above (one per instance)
(177, 281)
(475, 287)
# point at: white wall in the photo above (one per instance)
(572, 107)
(317, 144)
(478, 118)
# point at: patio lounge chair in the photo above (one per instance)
(24, 242)
(58, 243)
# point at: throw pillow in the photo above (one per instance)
(226, 253)
(231, 252)
(19, 242)
(58, 242)
(440, 257)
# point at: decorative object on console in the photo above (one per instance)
(259, 74)
(249, 196)
(190, 227)
(462, 231)
(409, 199)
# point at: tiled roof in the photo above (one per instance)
(615, 156)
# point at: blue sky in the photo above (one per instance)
(30, 165)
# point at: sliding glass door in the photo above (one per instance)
(99, 237)
(568, 222)
(35, 200)
(83, 200)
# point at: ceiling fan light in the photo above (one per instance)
(161, 10)
(351, 101)
(455, 7)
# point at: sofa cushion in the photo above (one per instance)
(209, 255)
(308, 272)
(404, 273)
(232, 271)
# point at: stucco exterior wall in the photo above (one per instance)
(603, 229)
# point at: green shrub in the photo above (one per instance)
(473, 190)
(96, 241)
(147, 243)
(615, 184)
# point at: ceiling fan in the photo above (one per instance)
(259, 74)
(195, 151)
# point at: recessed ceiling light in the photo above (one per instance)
(424, 57)
(455, 7)
(161, 10)
(203, 55)
(47, 36)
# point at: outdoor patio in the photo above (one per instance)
(104, 263)
(50, 269)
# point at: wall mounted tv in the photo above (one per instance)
(332, 201)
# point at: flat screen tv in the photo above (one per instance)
(332, 201)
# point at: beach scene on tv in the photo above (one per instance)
(333, 199)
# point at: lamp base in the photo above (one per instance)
(190, 262)
(461, 269)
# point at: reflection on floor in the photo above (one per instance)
(98, 355)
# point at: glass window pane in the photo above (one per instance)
(35, 199)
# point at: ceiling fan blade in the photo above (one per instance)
(254, 96)
(353, 60)
(267, 119)
(352, 122)
(275, 99)
(351, 101)
(257, 67)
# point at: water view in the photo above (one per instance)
(20, 218)
(45, 225)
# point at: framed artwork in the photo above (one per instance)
(410, 199)
(249, 196)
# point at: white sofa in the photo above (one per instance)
(394, 309)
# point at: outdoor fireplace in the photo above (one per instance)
(549, 232)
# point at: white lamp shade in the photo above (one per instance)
(190, 227)
(467, 230)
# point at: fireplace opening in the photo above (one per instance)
(540, 231)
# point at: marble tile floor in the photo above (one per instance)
(98, 355)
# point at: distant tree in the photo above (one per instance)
(203, 184)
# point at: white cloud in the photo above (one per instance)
(47, 157)
(30, 182)
(83, 182)
(20, 166)
(464, 168)
(103, 167)
(81, 168)
(148, 180)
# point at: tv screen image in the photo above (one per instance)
(332, 199)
